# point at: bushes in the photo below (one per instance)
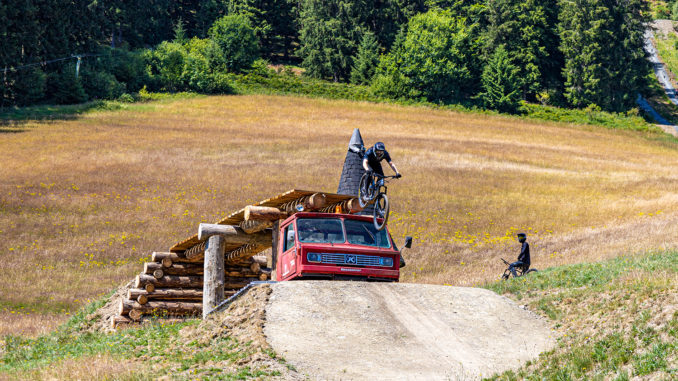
(433, 60)
(190, 67)
(101, 85)
(29, 86)
(64, 87)
(235, 37)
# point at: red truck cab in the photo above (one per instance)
(335, 246)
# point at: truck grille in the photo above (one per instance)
(350, 259)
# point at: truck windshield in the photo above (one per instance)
(320, 230)
(364, 233)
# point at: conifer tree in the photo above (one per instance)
(329, 35)
(366, 60)
(602, 42)
(527, 29)
(501, 83)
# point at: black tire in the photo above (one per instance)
(364, 194)
(530, 271)
(381, 210)
(505, 276)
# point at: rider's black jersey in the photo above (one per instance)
(525, 253)
(374, 162)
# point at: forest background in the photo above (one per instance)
(492, 54)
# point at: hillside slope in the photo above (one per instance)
(84, 201)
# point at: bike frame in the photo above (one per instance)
(373, 184)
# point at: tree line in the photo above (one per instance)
(490, 53)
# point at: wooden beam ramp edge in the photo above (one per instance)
(171, 285)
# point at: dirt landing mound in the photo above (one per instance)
(356, 330)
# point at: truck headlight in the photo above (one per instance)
(313, 257)
(386, 262)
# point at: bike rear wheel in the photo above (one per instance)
(381, 210)
(530, 271)
(365, 195)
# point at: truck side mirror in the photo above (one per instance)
(408, 242)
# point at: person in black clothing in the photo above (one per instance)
(374, 156)
(523, 261)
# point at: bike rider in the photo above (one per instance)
(372, 161)
(523, 261)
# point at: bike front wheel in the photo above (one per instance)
(364, 193)
(381, 211)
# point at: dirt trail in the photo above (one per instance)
(395, 331)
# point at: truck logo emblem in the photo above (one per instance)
(351, 259)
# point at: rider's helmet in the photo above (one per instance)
(522, 237)
(379, 150)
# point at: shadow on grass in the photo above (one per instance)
(11, 118)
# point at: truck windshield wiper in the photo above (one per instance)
(370, 233)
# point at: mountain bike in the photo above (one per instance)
(371, 189)
(519, 271)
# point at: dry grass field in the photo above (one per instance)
(84, 202)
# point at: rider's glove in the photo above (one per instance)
(398, 175)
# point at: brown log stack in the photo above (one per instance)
(188, 281)
(195, 269)
(170, 294)
(131, 308)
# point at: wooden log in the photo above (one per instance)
(213, 286)
(157, 274)
(158, 307)
(166, 262)
(141, 299)
(117, 321)
(170, 294)
(150, 287)
(253, 226)
(196, 269)
(263, 213)
(313, 202)
(168, 281)
(135, 314)
(351, 206)
(174, 257)
(260, 259)
(232, 234)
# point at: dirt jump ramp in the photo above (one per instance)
(395, 331)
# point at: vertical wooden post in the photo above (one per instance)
(274, 249)
(213, 282)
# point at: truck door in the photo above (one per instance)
(289, 256)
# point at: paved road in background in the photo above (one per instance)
(659, 69)
(663, 78)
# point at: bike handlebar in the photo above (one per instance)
(504, 260)
(384, 177)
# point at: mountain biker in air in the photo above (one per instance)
(524, 257)
(372, 161)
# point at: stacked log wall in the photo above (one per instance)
(177, 292)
